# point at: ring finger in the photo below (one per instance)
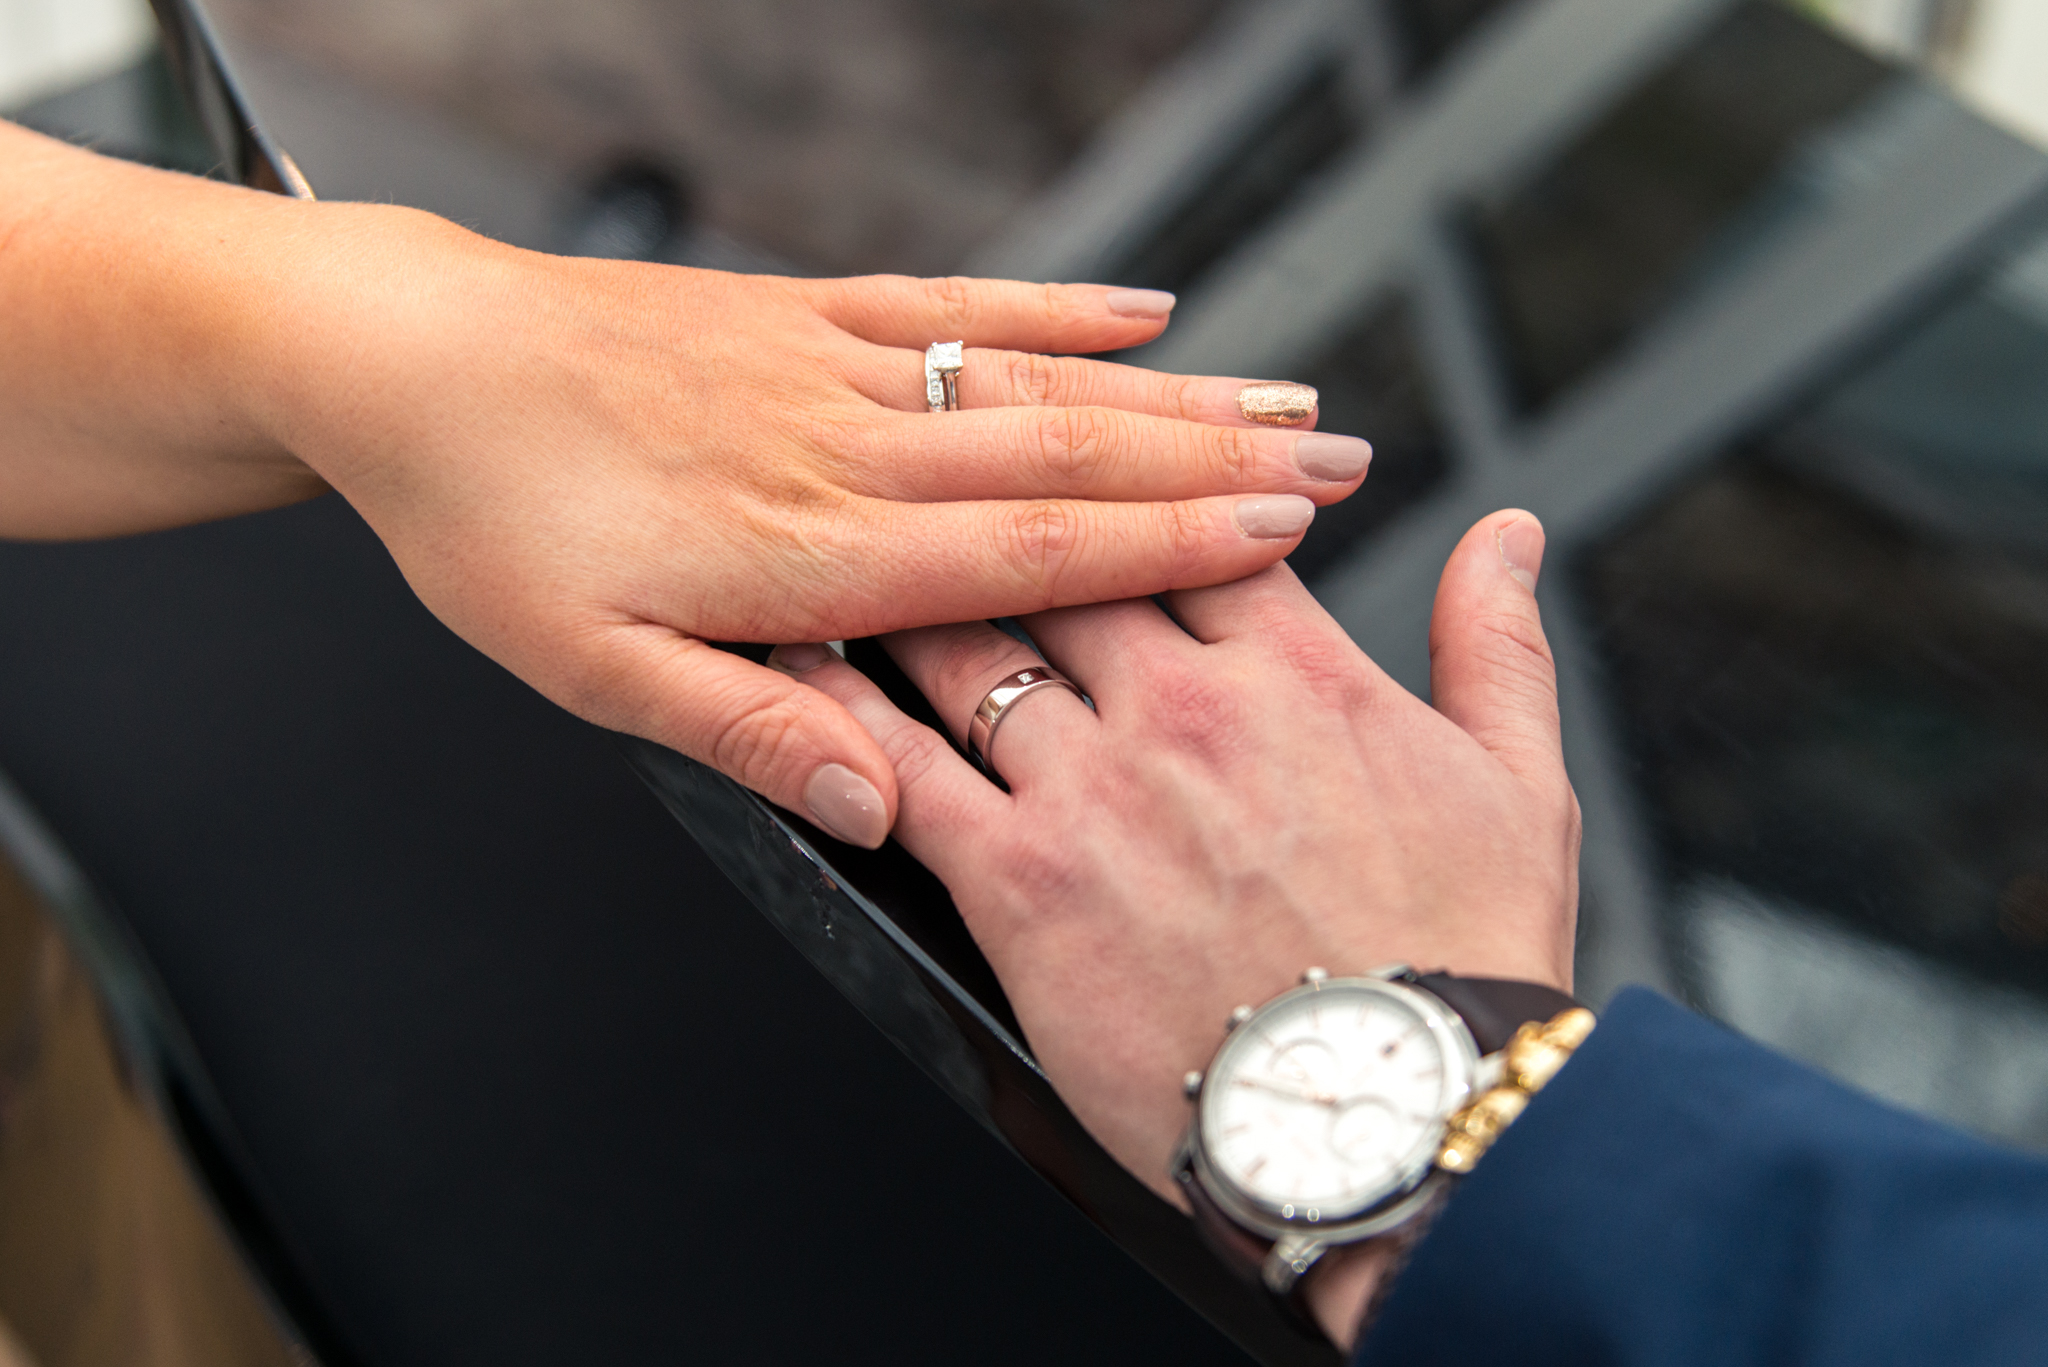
(1021, 379)
(956, 667)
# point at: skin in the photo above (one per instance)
(591, 469)
(1251, 796)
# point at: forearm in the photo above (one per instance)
(156, 336)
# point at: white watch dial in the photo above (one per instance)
(1328, 1101)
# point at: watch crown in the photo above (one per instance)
(1237, 1018)
(1191, 1086)
(1315, 977)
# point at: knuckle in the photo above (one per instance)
(1186, 529)
(1195, 712)
(1328, 666)
(754, 743)
(1236, 452)
(1514, 642)
(1033, 379)
(1042, 538)
(1056, 303)
(953, 298)
(964, 661)
(914, 752)
(829, 439)
(1075, 443)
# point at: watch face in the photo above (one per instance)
(1328, 1101)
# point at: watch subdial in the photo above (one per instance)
(1308, 1062)
(1367, 1133)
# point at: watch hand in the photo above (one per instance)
(1287, 1089)
(1367, 1097)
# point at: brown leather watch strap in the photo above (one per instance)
(1241, 1250)
(1238, 1249)
(1494, 1008)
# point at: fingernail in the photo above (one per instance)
(799, 659)
(1325, 455)
(1277, 403)
(1275, 516)
(847, 805)
(1521, 550)
(1139, 303)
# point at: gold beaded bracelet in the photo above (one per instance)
(1531, 1059)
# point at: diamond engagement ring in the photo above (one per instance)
(942, 376)
(981, 732)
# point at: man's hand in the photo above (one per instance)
(1251, 796)
(593, 469)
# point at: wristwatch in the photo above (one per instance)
(1339, 1111)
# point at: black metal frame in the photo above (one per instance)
(248, 156)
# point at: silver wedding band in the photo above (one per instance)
(942, 363)
(981, 732)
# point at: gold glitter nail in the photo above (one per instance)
(1277, 403)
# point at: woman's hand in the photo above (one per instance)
(592, 469)
(1251, 796)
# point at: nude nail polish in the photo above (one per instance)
(1277, 403)
(1521, 550)
(799, 659)
(847, 805)
(1140, 303)
(1275, 516)
(1325, 455)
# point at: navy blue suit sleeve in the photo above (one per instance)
(1680, 1196)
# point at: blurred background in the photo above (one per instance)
(1748, 299)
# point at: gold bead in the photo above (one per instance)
(1500, 1106)
(1570, 1028)
(1459, 1153)
(1490, 1114)
(1533, 1057)
(1538, 1051)
(1531, 1063)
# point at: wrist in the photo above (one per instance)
(348, 296)
(1343, 1284)
(385, 317)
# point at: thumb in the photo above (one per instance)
(787, 741)
(1490, 667)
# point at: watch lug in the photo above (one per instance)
(1292, 1256)
(1394, 973)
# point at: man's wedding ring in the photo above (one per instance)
(981, 732)
(942, 376)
